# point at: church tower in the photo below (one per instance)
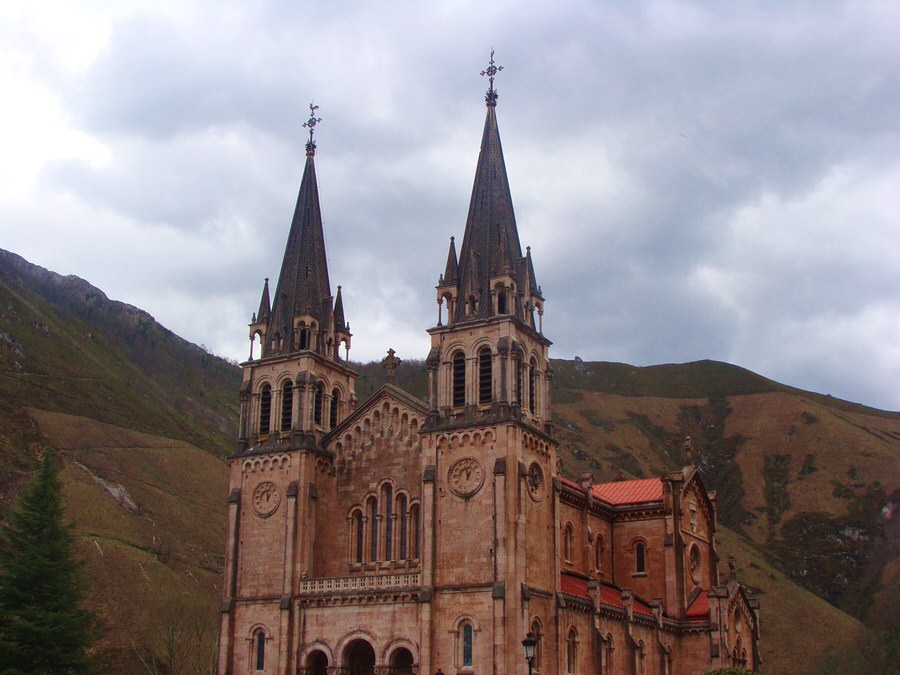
(298, 387)
(490, 431)
(295, 390)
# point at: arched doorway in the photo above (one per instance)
(316, 663)
(402, 662)
(359, 658)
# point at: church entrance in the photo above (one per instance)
(359, 658)
(401, 662)
(316, 664)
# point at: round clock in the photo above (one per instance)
(466, 476)
(535, 481)
(266, 498)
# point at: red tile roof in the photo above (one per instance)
(630, 491)
(572, 585)
(609, 594)
(699, 609)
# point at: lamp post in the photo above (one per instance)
(529, 643)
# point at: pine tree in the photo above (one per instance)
(43, 626)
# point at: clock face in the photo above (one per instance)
(535, 480)
(466, 476)
(266, 498)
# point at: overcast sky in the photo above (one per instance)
(706, 180)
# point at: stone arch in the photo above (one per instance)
(306, 657)
(353, 655)
(394, 646)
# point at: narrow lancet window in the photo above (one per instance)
(265, 409)
(287, 405)
(531, 388)
(260, 651)
(335, 402)
(485, 379)
(459, 380)
(317, 404)
(404, 527)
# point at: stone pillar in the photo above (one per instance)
(226, 622)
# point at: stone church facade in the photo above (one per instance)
(402, 536)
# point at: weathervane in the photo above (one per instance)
(311, 125)
(491, 71)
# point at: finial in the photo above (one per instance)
(311, 125)
(390, 363)
(491, 95)
(688, 450)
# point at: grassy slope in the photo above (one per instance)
(157, 552)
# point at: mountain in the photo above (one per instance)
(807, 484)
(142, 419)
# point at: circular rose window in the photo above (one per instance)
(694, 560)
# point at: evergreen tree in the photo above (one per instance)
(43, 627)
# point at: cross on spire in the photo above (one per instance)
(311, 125)
(491, 71)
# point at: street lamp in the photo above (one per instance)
(529, 643)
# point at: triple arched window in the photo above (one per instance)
(385, 528)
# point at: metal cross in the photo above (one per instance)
(491, 71)
(311, 125)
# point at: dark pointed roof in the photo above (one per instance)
(491, 243)
(265, 306)
(339, 323)
(451, 272)
(303, 284)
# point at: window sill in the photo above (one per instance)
(639, 574)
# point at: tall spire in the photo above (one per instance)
(490, 246)
(303, 285)
(265, 305)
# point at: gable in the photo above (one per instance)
(389, 421)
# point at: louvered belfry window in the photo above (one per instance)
(459, 380)
(287, 405)
(485, 380)
(265, 409)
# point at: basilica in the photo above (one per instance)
(405, 535)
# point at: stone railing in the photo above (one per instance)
(381, 582)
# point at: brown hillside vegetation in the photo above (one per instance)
(807, 484)
(149, 515)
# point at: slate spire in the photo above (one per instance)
(339, 323)
(303, 284)
(490, 246)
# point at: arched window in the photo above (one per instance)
(471, 306)
(358, 535)
(387, 498)
(335, 402)
(572, 652)
(304, 337)
(598, 553)
(414, 530)
(568, 542)
(459, 380)
(518, 368)
(317, 404)
(287, 404)
(485, 380)
(373, 529)
(640, 558)
(532, 367)
(404, 526)
(260, 648)
(468, 638)
(501, 302)
(265, 409)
